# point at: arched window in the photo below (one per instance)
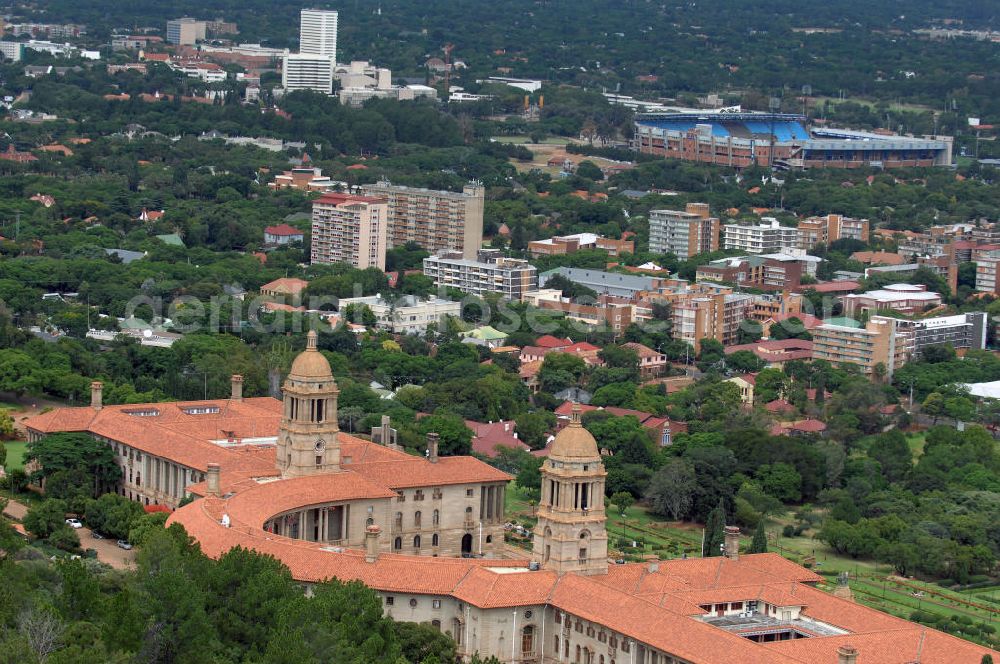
(528, 640)
(416, 541)
(436, 624)
(397, 544)
(369, 521)
(416, 518)
(578, 650)
(399, 520)
(434, 539)
(489, 539)
(436, 517)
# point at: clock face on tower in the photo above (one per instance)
(320, 444)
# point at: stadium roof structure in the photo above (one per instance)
(740, 138)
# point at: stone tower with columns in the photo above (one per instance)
(571, 535)
(308, 437)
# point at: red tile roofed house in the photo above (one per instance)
(585, 350)
(282, 234)
(651, 363)
(777, 352)
(878, 258)
(285, 287)
(549, 341)
(151, 215)
(808, 426)
(661, 428)
(534, 354)
(488, 437)
(279, 306)
(11, 154)
(529, 374)
(779, 407)
(55, 147)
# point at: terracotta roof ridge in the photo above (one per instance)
(718, 573)
(552, 589)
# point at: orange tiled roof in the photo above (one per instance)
(289, 285)
(417, 471)
(173, 433)
(654, 607)
(640, 350)
(272, 498)
(908, 644)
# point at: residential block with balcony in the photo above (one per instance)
(489, 273)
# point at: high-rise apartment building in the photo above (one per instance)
(318, 33)
(489, 273)
(716, 316)
(684, 234)
(960, 331)
(436, 220)
(349, 229)
(832, 227)
(767, 238)
(988, 271)
(880, 342)
(185, 31)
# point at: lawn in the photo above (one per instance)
(916, 442)
(15, 454)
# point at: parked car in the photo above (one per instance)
(96, 535)
(122, 544)
(74, 523)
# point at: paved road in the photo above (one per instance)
(107, 549)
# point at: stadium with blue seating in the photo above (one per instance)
(779, 140)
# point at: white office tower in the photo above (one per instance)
(307, 72)
(318, 33)
(312, 68)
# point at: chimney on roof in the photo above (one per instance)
(372, 533)
(732, 546)
(847, 655)
(96, 391)
(432, 447)
(237, 387)
(212, 479)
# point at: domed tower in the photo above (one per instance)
(571, 535)
(307, 439)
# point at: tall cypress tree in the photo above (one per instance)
(759, 542)
(715, 531)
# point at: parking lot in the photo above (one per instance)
(107, 549)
